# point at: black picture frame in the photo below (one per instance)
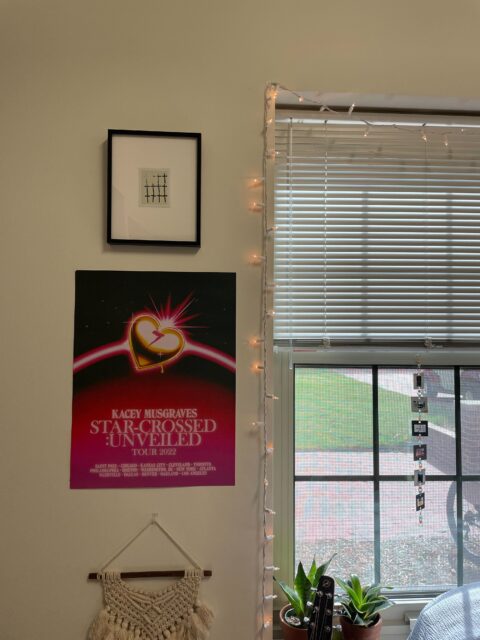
(154, 205)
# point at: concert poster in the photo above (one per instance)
(153, 380)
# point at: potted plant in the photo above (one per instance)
(360, 617)
(293, 614)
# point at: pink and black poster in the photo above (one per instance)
(153, 380)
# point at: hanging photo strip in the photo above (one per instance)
(419, 427)
(419, 405)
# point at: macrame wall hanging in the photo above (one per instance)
(136, 614)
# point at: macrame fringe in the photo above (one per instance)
(195, 627)
(205, 614)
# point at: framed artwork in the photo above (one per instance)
(154, 188)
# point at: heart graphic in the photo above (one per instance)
(152, 346)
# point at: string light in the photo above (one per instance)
(272, 229)
(271, 155)
(256, 182)
(272, 89)
(256, 259)
(257, 423)
(271, 313)
(272, 567)
(264, 422)
(317, 103)
(445, 139)
(257, 367)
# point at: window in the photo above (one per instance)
(377, 257)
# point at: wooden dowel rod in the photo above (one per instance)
(153, 574)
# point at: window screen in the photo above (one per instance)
(354, 492)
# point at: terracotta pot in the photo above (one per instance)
(289, 632)
(356, 632)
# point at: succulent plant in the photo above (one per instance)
(362, 605)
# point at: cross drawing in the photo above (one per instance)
(154, 188)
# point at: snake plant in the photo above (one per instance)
(301, 593)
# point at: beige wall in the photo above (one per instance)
(69, 70)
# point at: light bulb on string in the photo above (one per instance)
(257, 367)
(255, 342)
(271, 155)
(258, 423)
(300, 99)
(271, 567)
(424, 134)
(272, 229)
(271, 313)
(255, 258)
(445, 139)
(274, 90)
(256, 206)
(256, 182)
(270, 596)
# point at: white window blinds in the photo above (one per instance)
(378, 230)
